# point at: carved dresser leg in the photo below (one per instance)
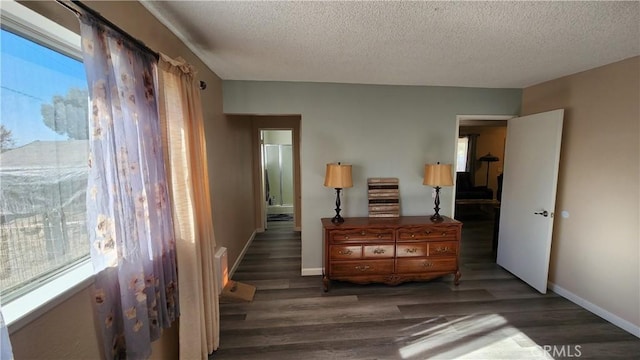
(456, 279)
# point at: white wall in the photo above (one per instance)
(383, 131)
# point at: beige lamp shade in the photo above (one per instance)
(438, 175)
(338, 176)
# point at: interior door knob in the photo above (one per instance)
(544, 213)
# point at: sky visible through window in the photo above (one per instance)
(30, 76)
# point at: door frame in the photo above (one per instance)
(275, 122)
(460, 118)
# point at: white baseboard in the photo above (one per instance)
(312, 272)
(241, 256)
(612, 318)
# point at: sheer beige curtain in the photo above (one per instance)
(181, 114)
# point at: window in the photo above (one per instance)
(463, 151)
(44, 151)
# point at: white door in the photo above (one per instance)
(532, 154)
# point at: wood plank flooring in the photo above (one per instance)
(490, 315)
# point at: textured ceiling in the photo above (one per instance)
(472, 44)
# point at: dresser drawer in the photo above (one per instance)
(355, 268)
(378, 251)
(361, 235)
(428, 233)
(415, 265)
(345, 252)
(443, 248)
(411, 249)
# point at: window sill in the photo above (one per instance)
(23, 310)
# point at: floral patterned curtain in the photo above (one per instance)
(128, 215)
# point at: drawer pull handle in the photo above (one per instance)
(427, 232)
(379, 236)
(363, 268)
(362, 233)
(345, 252)
(413, 235)
(444, 234)
(427, 264)
(346, 237)
(442, 249)
(378, 251)
(411, 251)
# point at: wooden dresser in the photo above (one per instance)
(390, 250)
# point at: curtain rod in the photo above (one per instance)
(97, 15)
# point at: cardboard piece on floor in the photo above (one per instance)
(237, 292)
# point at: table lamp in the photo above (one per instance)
(338, 176)
(437, 175)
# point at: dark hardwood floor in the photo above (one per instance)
(490, 315)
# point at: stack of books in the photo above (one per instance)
(384, 197)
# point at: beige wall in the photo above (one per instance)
(491, 139)
(595, 251)
(66, 332)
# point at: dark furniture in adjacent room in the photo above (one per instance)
(471, 201)
(466, 190)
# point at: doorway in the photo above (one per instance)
(277, 167)
(479, 163)
(276, 171)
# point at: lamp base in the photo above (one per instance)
(436, 217)
(337, 219)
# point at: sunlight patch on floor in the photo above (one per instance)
(483, 336)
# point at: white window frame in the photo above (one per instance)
(29, 306)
